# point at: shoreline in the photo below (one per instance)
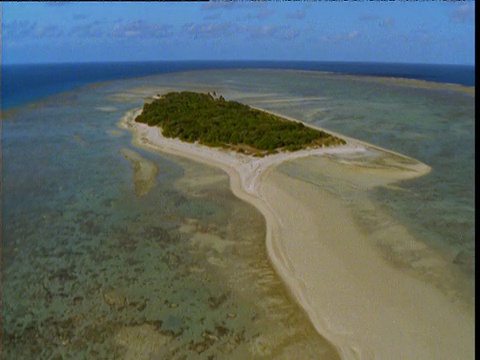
(334, 295)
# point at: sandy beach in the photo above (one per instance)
(367, 308)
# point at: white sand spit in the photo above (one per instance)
(367, 308)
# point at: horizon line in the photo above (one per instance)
(232, 60)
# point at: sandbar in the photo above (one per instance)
(145, 172)
(365, 307)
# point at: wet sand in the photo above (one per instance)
(145, 172)
(363, 305)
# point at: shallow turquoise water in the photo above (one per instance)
(91, 270)
(88, 266)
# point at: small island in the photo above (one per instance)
(216, 122)
(300, 205)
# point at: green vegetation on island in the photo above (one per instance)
(215, 122)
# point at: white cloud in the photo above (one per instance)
(260, 31)
(270, 31)
(230, 5)
(79, 17)
(288, 34)
(338, 38)
(59, 3)
(24, 29)
(298, 15)
(208, 29)
(47, 30)
(213, 16)
(368, 17)
(93, 29)
(353, 34)
(217, 5)
(140, 28)
(463, 13)
(265, 14)
(388, 22)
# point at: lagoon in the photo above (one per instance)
(84, 254)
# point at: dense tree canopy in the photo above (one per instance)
(213, 121)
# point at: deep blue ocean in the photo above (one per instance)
(25, 83)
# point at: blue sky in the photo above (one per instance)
(407, 32)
